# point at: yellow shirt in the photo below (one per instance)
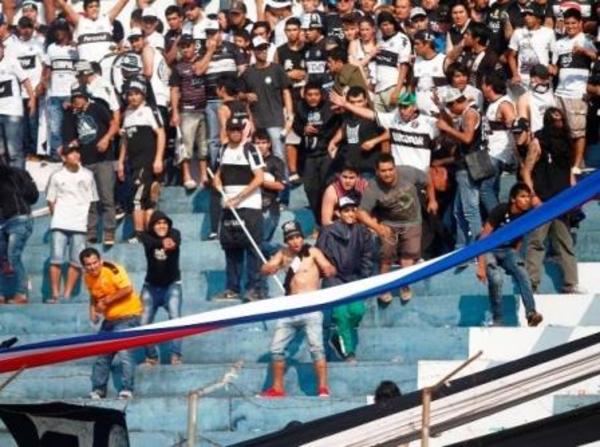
(112, 278)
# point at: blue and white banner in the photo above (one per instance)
(70, 348)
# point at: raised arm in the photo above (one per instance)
(116, 9)
(72, 15)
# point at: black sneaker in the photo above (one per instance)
(92, 239)
(336, 345)
(534, 318)
(253, 295)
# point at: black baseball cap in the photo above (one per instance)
(234, 124)
(290, 229)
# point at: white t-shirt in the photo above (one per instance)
(94, 38)
(72, 194)
(392, 52)
(11, 77)
(30, 55)
(573, 69)
(61, 60)
(102, 89)
(532, 47)
(412, 142)
(237, 166)
(156, 40)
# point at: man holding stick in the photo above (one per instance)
(239, 177)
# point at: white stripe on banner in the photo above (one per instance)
(53, 351)
(472, 403)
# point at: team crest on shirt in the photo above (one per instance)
(268, 80)
(318, 53)
(414, 124)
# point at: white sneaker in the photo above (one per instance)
(96, 395)
(125, 395)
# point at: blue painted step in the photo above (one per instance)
(201, 285)
(246, 413)
(424, 311)
(568, 402)
(73, 381)
(193, 227)
(251, 343)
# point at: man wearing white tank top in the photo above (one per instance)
(497, 128)
(93, 30)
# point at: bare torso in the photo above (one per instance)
(307, 276)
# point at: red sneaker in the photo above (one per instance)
(323, 391)
(272, 393)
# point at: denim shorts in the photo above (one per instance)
(286, 329)
(59, 242)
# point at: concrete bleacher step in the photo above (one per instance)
(70, 381)
(423, 311)
(193, 227)
(251, 343)
(504, 344)
(246, 413)
(199, 283)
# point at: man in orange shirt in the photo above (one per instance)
(111, 296)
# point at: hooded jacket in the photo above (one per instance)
(17, 192)
(163, 265)
(350, 249)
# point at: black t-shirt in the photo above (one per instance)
(501, 216)
(163, 265)
(496, 19)
(315, 56)
(356, 131)
(89, 127)
(275, 167)
(268, 84)
(170, 39)
(292, 60)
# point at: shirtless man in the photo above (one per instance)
(305, 266)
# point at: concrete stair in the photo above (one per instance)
(411, 344)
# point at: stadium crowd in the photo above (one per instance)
(398, 120)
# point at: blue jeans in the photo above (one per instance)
(30, 130)
(490, 187)
(101, 368)
(276, 142)
(466, 209)
(11, 140)
(271, 217)
(286, 329)
(169, 298)
(212, 131)
(56, 115)
(234, 269)
(512, 263)
(14, 233)
(60, 239)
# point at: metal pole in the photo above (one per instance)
(246, 232)
(11, 378)
(425, 414)
(192, 418)
(194, 396)
(427, 394)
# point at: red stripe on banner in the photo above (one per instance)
(37, 358)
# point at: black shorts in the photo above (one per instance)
(146, 186)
